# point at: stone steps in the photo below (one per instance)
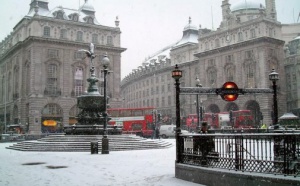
(61, 143)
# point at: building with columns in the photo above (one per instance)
(42, 72)
(245, 48)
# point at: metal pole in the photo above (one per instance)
(105, 149)
(275, 103)
(178, 131)
(198, 113)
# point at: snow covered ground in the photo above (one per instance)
(118, 168)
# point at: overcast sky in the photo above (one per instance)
(147, 25)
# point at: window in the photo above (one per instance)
(229, 58)
(75, 17)
(60, 15)
(78, 79)
(250, 75)
(90, 20)
(16, 81)
(79, 36)
(240, 36)
(212, 76)
(249, 54)
(47, 31)
(52, 53)
(206, 46)
(252, 32)
(109, 40)
(52, 82)
(63, 34)
(230, 73)
(217, 43)
(94, 38)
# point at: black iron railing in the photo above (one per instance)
(271, 153)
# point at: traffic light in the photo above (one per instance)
(158, 117)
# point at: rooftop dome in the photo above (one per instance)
(88, 6)
(190, 26)
(244, 5)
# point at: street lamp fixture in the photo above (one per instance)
(177, 74)
(105, 141)
(274, 76)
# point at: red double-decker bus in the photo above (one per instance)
(241, 119)
(133, 120)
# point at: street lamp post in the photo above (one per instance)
(177, 74)
(273, 76)
(198, 84)
(105, 141)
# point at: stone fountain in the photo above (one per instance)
(93, 118)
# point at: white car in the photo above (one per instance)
(167, 131)
(272, 127)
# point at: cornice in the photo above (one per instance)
(239, 45)
(60, 42)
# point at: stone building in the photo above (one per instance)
(245, 48)
(292, 69)
(42, 71)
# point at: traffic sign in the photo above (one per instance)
(229, 91)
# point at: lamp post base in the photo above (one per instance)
(105, 145)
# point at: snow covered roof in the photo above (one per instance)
(190, 35)
(83, 12)
(288, 116)
(244, 5)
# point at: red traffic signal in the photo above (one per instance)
(229, 91)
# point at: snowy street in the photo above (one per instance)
(139, 167)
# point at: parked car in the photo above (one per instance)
(276, 127)
(167, 131)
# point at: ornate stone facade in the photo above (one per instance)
(245, 48)
(42, 71)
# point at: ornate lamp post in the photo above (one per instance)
(273, 76)
(105, 141)
(177, 74)
(198, 84)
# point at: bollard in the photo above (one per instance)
(94, 147)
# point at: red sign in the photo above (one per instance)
(229, 91)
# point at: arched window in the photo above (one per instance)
(79, 36)
(94, 38)
(9, 81)
(52, 80)
(75, 17)
(249, 72)
(47, 31)
(212, 76)
(16, 82)
(90, 20)
(60, 15)
(3, 89)
(230, 73)
(78, 79)
(16, 115)
(27, 78)
(52, 110)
